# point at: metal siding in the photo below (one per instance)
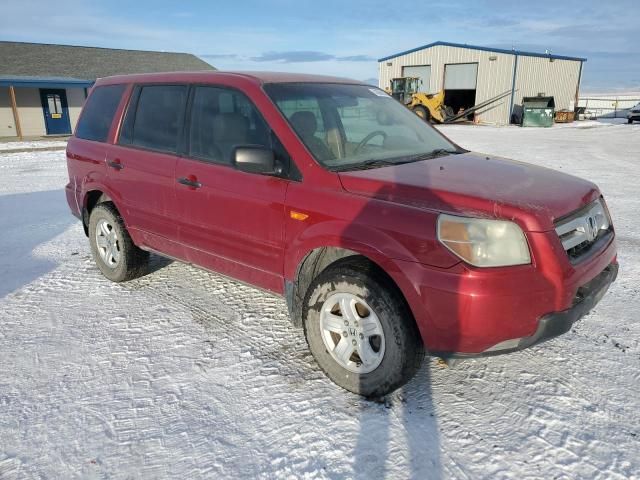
(539, 75)
(494, 77)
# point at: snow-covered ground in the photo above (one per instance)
(185, 374)
(35, 144)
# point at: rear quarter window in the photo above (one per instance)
(97, 114)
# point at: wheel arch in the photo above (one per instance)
(320, 259)
(91, 199)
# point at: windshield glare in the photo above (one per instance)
(344, 126)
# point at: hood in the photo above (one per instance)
(471, 184)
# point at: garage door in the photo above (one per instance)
(460, 76)
(421, 71)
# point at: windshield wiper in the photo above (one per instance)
(438, 152)
(364, 165)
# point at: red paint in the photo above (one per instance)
(240, 224)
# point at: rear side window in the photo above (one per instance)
(98, 113)
(154, 118)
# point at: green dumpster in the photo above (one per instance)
(537, 111)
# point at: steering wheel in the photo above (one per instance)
(368, 138)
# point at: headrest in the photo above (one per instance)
(304, 122)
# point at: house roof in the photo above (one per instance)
(484, 49)
(38, 61)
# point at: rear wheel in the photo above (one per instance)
(360, 331)
(422, 112)
(111, 246)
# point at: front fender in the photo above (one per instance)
(360, 241)
(370, 242)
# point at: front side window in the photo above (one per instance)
(221, 120)
(156, 119)
(98, 112)
(356, 126)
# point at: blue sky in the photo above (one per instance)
(341, 37)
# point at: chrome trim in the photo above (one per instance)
(584, 226)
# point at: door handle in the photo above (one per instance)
(190, 181)
(115, 164)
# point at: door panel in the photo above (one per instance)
(142, 165)
(230, 221)
(236, 219)
(145, 182)
(56, 111)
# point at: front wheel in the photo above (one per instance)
(422, 112)
(360, 331)
(629, 120)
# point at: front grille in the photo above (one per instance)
(585, 230)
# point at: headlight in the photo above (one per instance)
(484, 243)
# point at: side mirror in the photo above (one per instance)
(255, 159)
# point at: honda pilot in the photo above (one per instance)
(386, 238)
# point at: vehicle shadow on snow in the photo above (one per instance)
(416, 442)
(28, 220)
(157, 263)
(402, 428)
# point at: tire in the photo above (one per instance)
(422, 112)
(400, 342)
(629, 120)
(117, 257)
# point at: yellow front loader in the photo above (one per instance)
(429, 107)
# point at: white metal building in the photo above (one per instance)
(470, 75)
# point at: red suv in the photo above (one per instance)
(385, 237)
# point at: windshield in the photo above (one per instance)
(356, 126)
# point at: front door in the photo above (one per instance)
(230, 221)
(56, 111)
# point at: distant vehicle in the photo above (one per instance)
(384, 236)
(634, 114)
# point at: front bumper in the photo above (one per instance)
(555, 324)
(469, 312)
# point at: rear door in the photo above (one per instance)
(231, 221)
(142, 164)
